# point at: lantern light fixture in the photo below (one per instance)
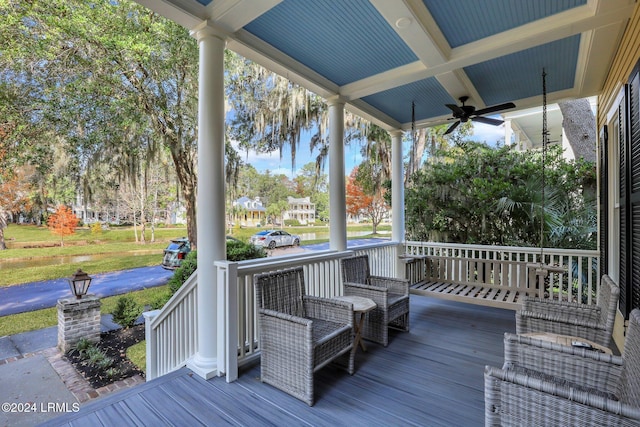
(79, 283)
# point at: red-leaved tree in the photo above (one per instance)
(63, 222)
(373, 207)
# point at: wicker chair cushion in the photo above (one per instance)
(563, 383)
(394, 298)
(324, 330)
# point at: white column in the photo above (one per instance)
(397, 188)
(508, 132)
(337, 190)
(210, 199)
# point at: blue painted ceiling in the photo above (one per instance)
(466, 21)
(383, 55)
(323, 33)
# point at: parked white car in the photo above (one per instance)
(274, 239)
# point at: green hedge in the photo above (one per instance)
(236, 251)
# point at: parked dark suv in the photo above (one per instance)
(175, 253)
(178, 250)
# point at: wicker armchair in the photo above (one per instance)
(391, 295)
(299, 333)
(591, 322)
(543, 383)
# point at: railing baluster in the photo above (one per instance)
(172, 332)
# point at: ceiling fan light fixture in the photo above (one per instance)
(463, 113)
(403, 22)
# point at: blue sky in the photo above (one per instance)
(277, 165)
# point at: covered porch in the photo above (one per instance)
(399, 65)
(432, 375)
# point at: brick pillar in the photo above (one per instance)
(78, 318)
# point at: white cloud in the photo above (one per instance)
(277, 165)
(488, 133)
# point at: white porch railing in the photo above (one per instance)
(579, 279)
(172, 333)
(322, 278)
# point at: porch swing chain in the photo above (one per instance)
(413, 125)
(545, 136)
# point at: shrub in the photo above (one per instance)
(182, 273)
(161, 300)
(292, 222)
(93, 354)
(112, 373)
(82, 346)
(236, 251)
(104, 363)
(96, 228)
(240, 251)
(127, 311)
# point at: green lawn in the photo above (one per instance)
(137, 353)
(39, 319)
(115, 249)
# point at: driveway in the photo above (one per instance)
(39, 295)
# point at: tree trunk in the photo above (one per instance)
(143, 210)
(135, 226)
(417, 151)
(188, 182)
(155, 213)
(3, 225)
(579, 126)
(190, 206)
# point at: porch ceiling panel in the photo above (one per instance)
(519, 75)
(396, 100)
(466, 21)
(342, 41)
(382, 55)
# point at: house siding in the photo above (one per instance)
(622, 68)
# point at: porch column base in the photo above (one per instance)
(206, 368)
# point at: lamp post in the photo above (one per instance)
(79, 317)
(79, 283)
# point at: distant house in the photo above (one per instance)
(301, 209)
(248, 212)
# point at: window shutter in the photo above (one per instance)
(631, 297)
(624, 226)
(604, 203)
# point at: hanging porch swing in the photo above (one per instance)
(539, 272)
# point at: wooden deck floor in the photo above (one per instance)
(431, 376)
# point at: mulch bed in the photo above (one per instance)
(114, 344)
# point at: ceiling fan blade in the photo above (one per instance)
(457, 111)
(452, 128)
(487, 120)
(495, 108)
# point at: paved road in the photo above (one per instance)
(351, 244)
(38, 295)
